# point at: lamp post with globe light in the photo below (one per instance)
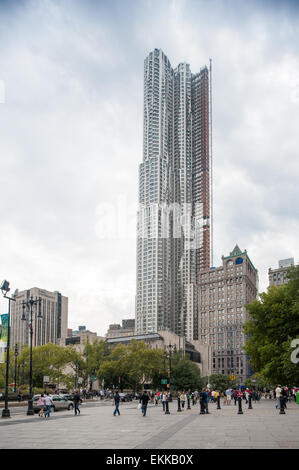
(5, 289)
(29, 306)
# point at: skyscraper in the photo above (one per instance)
(51, 328)
(173, 239)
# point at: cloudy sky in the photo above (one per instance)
(71, 118)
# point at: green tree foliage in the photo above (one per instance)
(2, 376)
(273, 325)
(222, 382)
(258, 382)
(130, 365)
(94, 353)
(185, 374)
(48, 360)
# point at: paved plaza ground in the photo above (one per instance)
(96, 428)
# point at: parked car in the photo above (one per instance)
(125, 397)
(59, 403)
(69, 396)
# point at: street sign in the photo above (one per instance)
(46, 379)
(80, 380)
(93, 378)
(164, 381)
(232, 377)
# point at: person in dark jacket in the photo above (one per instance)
(144, 401)
(77, 400)
(284, 397)
(116, 402)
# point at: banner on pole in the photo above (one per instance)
(4, 329)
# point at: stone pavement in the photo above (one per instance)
(96, 428)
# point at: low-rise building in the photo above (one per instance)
(127, 329)
(278, 276)
(81, 337)
(199, 353)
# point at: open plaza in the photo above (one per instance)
(262, 427)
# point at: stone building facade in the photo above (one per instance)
(223, 294)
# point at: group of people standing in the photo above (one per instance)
(284, 394)
(204, 396)
(45, 402)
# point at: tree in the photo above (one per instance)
(94, 354)
(48, 360)
(2, 375)
(131, 365)
(257, 381)
(273, 325)
(185, 374)
(222, 382)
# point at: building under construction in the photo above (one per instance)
(174, 219)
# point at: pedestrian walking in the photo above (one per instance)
(284, 396)
(144, 401)
(204, 399)
(235, 396)
(164, 397)
(41, 404)
(228, 394)
(183, 399)
(116, 403)
(48, 403)
(77, 400)
(278, 394)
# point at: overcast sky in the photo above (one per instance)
(71, 120)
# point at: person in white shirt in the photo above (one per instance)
(164, 397)
(48, 403)
(278, 392)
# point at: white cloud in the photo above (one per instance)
(71, 137)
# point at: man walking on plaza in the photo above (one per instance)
(116, 402)
(164, 400)
(228, 394)
(144, 401)
(235, 396)
(48, 403)
(77, 400)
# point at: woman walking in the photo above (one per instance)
(41, 404)
(183, 399)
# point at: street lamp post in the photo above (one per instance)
(25, 305)
(5, 289)
(16, 356)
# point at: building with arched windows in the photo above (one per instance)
(223, 293)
